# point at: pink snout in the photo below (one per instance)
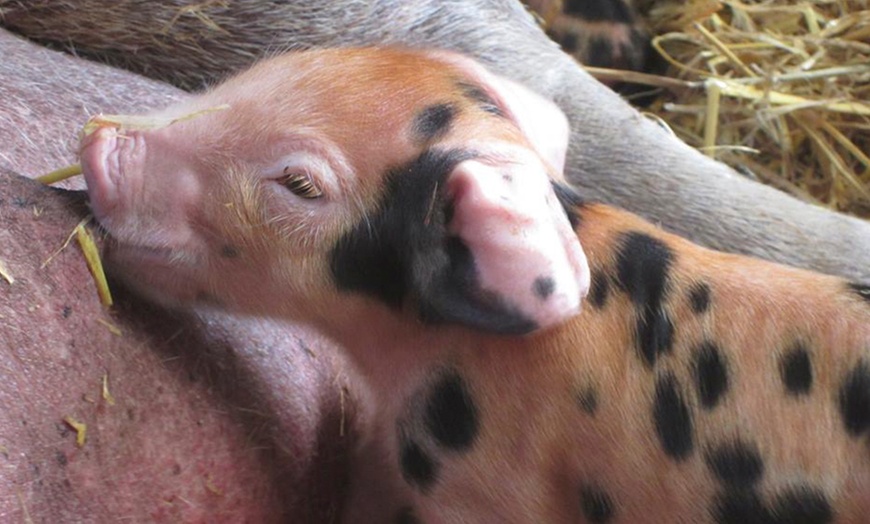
(101, 157)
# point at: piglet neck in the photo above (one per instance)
(389, 344)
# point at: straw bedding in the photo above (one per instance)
(778, 89)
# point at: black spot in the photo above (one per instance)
(417, 466)
(571, 202)
(699, 298)
(672, 418)
(855, 400)
(480, 98)
(543, 287)
(740, 507)
(599, 10)
(599, 289)
(405, 252)
(597, 505)
(796, 506)
(863, 290)
(797, 370)
(643, 264)
(451, 415)
(18, 201)
(406, 516)
(229, 251)
(736, 464)
(60, 456)
(433, 121)
(588, 400)
(66, 312)
(711, 374)
(801, 506)
(655, 334)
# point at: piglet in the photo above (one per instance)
(415, 181)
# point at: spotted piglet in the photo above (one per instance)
(410, 205)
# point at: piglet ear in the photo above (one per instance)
(513, 262)
(465, 240)
(541, 121)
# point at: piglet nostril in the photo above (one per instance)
(98, 157)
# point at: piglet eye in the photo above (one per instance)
(300, 184)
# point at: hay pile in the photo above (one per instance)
(779, 89)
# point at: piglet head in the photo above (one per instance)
(353, 180)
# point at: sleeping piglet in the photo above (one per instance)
(373, 194)
(384, 178)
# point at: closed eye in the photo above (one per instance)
(300, 183)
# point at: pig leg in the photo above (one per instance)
(205, 418)
(616, 155)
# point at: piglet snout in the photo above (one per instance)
(101, 166)
(524, 249)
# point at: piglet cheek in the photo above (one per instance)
(523, 247)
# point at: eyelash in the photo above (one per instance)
(300, 184)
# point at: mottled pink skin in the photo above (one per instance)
(216, 419)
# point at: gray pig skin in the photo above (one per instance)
(215, 419)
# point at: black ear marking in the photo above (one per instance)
(448, 293)
(404, 252)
